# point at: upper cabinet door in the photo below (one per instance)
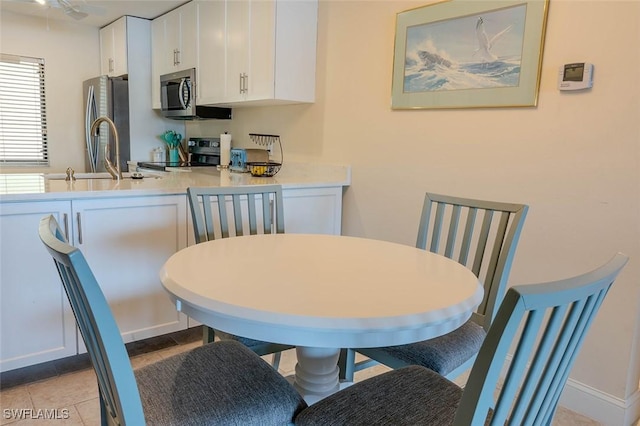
(174, 44)
(113, 48)
(296, 34)
(180, 39)
(261, 53)
(188, 49)
(237, 50)
(269, 52)
(210, 72)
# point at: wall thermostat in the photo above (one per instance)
(576, 76)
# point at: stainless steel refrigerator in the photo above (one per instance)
(106, 96)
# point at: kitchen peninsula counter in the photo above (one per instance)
(36, 186)
(126, 230)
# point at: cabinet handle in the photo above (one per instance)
(272, 207)
(111, 67)
(79, 228)
(65, 219)
(176, 56)
(244, 83)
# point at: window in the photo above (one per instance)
(23, 118)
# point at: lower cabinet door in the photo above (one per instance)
(36, 321)
(126, 241)
(313, 210)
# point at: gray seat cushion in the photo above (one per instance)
(221, 383)
(442, 354)
(406, 396)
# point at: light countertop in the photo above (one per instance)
(36, 186)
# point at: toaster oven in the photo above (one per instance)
(241, 156)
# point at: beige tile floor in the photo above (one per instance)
(73, 395)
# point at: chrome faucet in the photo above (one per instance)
(115, 172)
(70, 175)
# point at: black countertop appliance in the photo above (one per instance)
(202, 152)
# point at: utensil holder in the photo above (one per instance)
(174, 156)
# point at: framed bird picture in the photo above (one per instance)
(469, 54)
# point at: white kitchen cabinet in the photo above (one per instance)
(269, 54)
(125, 241)
(113, 48)
(36, 321)
(212, 39)
(239, 36)
(174, 45)
(313, 210)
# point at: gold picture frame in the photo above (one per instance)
(469, 54)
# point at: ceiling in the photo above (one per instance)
(100, 13)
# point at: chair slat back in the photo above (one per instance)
(222, 212)
(119, 397)
(481, 235)
(544, 326)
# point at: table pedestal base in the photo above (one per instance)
(316, 372)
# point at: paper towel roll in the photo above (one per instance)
(225, 149)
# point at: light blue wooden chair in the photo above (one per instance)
(483, 236)
(223, 212)
(534, 340)
(217, 383)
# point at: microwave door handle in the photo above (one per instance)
(180, 88)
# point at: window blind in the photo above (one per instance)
(23, 118)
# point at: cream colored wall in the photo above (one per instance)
(574, 158)
(71, 54)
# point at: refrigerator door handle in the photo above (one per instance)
(87, 129)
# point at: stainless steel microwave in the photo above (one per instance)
(178, 98)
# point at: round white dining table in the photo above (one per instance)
(321, 293)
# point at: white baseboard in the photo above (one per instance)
(597, 405)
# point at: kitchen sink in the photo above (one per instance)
(99, 175)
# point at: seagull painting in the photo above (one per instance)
(485, 43)
(479, 51)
